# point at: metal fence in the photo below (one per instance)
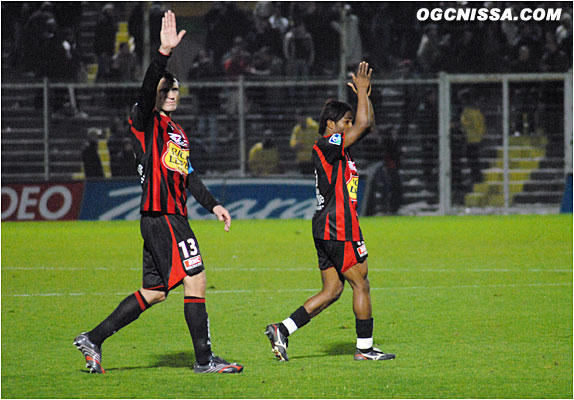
(458, 140)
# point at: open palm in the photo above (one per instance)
(168, 35)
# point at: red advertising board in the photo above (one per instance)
(41, 201)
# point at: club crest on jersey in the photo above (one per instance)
(176, 136)
(335, 139)
(175, 158)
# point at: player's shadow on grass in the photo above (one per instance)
(181, 359)
(171, 360)
(332, 349)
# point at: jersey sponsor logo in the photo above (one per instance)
(352, 166)
(175, 158)
(335, 139)
(192, 262)
(352, 187)
(361, 249)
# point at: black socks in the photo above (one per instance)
(126, 312)
(198, 324)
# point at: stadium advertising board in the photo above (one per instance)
(41, 201)
(244, 198)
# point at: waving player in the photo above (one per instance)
(171, 253)
(338, 238)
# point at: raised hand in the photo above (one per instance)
(168, 35)
(362, 79)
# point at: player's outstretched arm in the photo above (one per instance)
(364, 119)
(168, 35)
(146, 100)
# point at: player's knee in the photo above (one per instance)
(360, 285)
(335, 292)
(153, 296)
(161, 297)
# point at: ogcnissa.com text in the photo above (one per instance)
(489, 14)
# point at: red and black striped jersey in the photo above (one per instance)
(336, 183)
(161, 149)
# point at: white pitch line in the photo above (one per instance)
(306, 290)
(293, 269)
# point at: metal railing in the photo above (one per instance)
(318, 90)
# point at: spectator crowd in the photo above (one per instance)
(293, 39)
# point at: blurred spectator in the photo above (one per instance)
(473, 126)
(124, 64)
(264, 156)
(553, 59)
(14, 18)
(531, 37)
(37, 32)
(299, 50)
(155, 15)
(203, 68)
(564, 34)
(427, 129)
(303, 137)
(383, 52)
(105, 41)
(353, 45)
(262, 35)
(225, 21)
(317, 18)
(236, 61)
(213, 39)
(90, 156)
(122, 159)
(467, 53)
(263, 10)
(135, 28)
(524, 62)
(492, 48)
(550, 110)
(277, 21)
(264, 63)
(428, 53)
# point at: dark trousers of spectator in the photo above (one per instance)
(472, 157)
(104, 63)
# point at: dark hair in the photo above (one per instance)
(167, 85)
(170, 78)
(333, 110)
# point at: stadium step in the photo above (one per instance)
(527, 156)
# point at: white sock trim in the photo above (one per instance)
(290, 325)
(364, 343)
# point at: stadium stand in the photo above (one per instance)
(211, 113)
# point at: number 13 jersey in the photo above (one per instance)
(336, 183)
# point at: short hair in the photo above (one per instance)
(170, 79)
(163, 90)
(333, 110)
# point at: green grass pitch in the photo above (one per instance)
(474, 307)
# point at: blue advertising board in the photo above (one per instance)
(244, 198)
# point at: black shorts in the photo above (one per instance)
(170, 251)
(339, 254)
